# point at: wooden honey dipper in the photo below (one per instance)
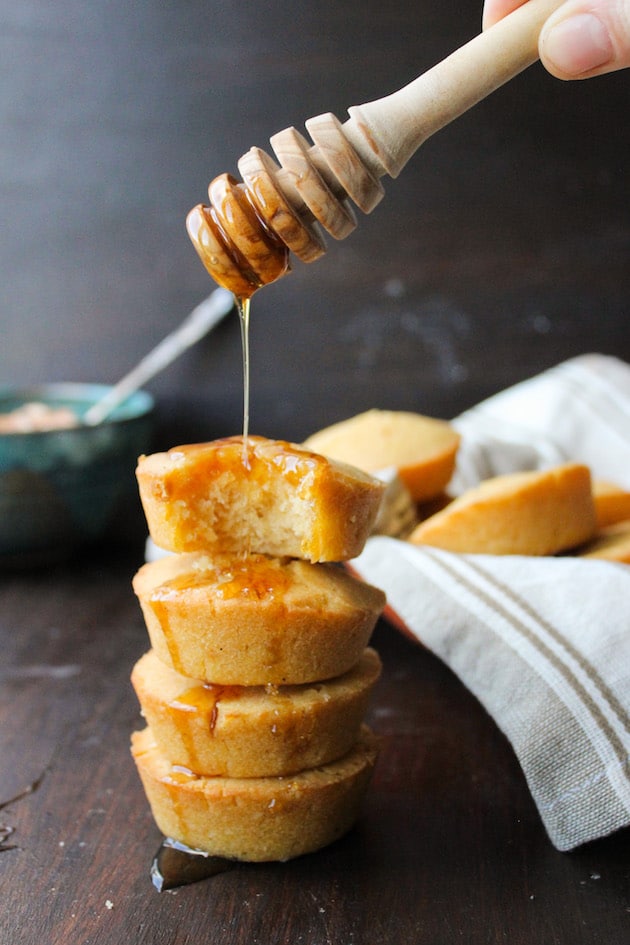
(245, 235)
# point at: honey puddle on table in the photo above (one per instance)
(175, 865)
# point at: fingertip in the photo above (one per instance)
(576, 47)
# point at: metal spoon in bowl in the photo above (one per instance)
(200, 321)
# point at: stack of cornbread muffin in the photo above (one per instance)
(259, 675)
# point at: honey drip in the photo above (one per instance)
(255, 577)
(204, 699)
(243, 306)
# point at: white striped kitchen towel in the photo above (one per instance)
(543, 643)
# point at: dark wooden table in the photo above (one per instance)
(449, 848)
(502, 249)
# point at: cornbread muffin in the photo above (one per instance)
(257, 495)
(255, 819)
(611, 543)
(421, 449)
(397, 514)
(612, 503)
(526, 513)
(253, 731)
(254, 620)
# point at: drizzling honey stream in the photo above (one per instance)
(246, 233)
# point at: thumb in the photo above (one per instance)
(585, 38)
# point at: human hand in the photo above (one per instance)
(583, 38)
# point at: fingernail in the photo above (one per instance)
(578, 44)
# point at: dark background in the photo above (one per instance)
(501, 249)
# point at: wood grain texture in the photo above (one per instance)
(449, 847)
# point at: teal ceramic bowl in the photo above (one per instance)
(61, 489)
